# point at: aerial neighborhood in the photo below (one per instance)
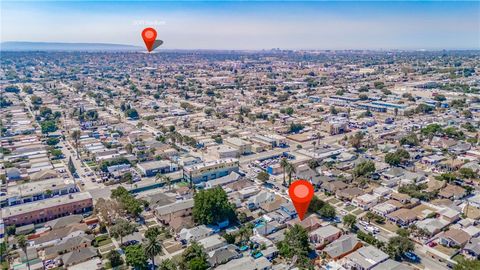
(182, 160)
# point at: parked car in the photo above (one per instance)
(411, 256)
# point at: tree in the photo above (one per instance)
(132, 113)
(290, 171)
(295, 243)
(121, 229)
(212, 206)
(48, 126)
(315, 204)
(356, 140)
(284, 163)
(136, 257)
(364, 168)
(398, 246)
(403, 232)
(230, 238)
(467, 173)
(349, 221)
(57, 153)
(114, 258)
(71, 167)
(167, 264)
(152, 248)
(129, 148)
(168, 181)
(327, 211)
(411, 139)
(397, 157)
(52, 141)
(294, 128)
(129, 203)
(245, 232)
(464, 264)
(76, 137)
(313, 164)
(263, 176)
(22, 243)
(152, 232)
(193, 256)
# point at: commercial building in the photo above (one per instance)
(151, 168)
(210, 170)
(243, 146)
(45, 210)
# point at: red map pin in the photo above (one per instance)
(301, 193)
(149, 35)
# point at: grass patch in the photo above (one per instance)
(357, 212)
(105, 242)
(350, 208)
(333, 201)
(445, 250)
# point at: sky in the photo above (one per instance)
(249, 25)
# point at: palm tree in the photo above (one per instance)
(284, 163)
(158, 176)
(168, 181)
(22, 243)
(290, 170)
(76, 137)
(153, 247)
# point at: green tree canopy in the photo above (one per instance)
(295, 243)
(349, 221)
(364, 168)
(114, 258)
(398, 246)
(193, 256)
(263, 176)
(48, 126)
(167, 264)
(121, 229)
(136, 257)
(212, 206)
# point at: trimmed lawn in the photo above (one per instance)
(357, 212)
(105, 242)
(389, 226)
(350, 208)
(445, 250)
(333, 201)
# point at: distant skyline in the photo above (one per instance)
(249, 25)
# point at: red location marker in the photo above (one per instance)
(149, 35)
(301, 193)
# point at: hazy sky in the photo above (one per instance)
(249, 25)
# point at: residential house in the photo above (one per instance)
(68, 245)
(310, 223)
(349, 193)
(212, 242)
(454, 238)
(472, 249)
(365, 201)
(194, 234)
(263, 197)
(167, 213)
(403, 216)
(452, 192)
(324, 235)
(334, 186)
(341, 247)
(365, 258)
(223, 255)
(78, 256)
